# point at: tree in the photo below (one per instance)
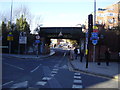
(23, 11)
(4, 35)
(22, 25)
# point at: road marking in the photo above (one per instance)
(41, 83)
(54, 72)
(46, 78)
(52, 75)
(35, 68)
(55, 69)
(6, 83)
(77, 86)
(77, 73)
(64, 54)
(20, 85)
(77, 77)
(77, 81)
(14, 66)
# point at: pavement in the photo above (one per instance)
(25, 56)
(111, 71)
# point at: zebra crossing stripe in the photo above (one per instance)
(55, 69)
(41, 83)
(77, 77)
(77, 86)
(52, 75)
(77, 81)
(46, 78)
(76, 73)
(54, 72)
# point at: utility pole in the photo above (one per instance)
(10, 27)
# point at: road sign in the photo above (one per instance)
(37, 41)
(10, 36)
(22, 40)
(37, 37)
(95, 30)
(94, 34)
(95, 27)
(94, 42)
(60, 34)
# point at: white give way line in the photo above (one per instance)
(14, 66)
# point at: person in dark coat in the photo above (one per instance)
(107, 56)
(76, 52)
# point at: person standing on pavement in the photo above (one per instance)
(71, 54)
(76, 52)
(107, 56)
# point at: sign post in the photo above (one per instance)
(37, 41)
(22, 40)
(10, 38)
(94, 38)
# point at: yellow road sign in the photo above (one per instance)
(95, 27)
(10, 38)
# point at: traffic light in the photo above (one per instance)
(90, 23)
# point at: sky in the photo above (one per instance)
(56, 13)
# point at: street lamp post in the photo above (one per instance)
(94, 24)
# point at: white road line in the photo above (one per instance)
(46, 78)
(35, 68)
(41, 83)
(20, 85)
(77, 86)
(14, 66)
(76, 73)
(77, 77)
(55, 69)
(64, 54)
(54, 72)
(52, 75)
(6, 83)
(77, 81)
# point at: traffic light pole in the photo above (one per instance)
(90, 29)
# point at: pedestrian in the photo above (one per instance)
(71, 54)
(76, 52)
(107, 56)
(81, 56)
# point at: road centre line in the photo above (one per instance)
(14, 66)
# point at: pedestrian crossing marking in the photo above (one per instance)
(54, 72)
(77, 86)
(77, 73)
(52, 75)
(41, 83)
(77, 77)
(55, 69)
(77, 81)
(46, 78)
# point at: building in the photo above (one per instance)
(109, 16)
